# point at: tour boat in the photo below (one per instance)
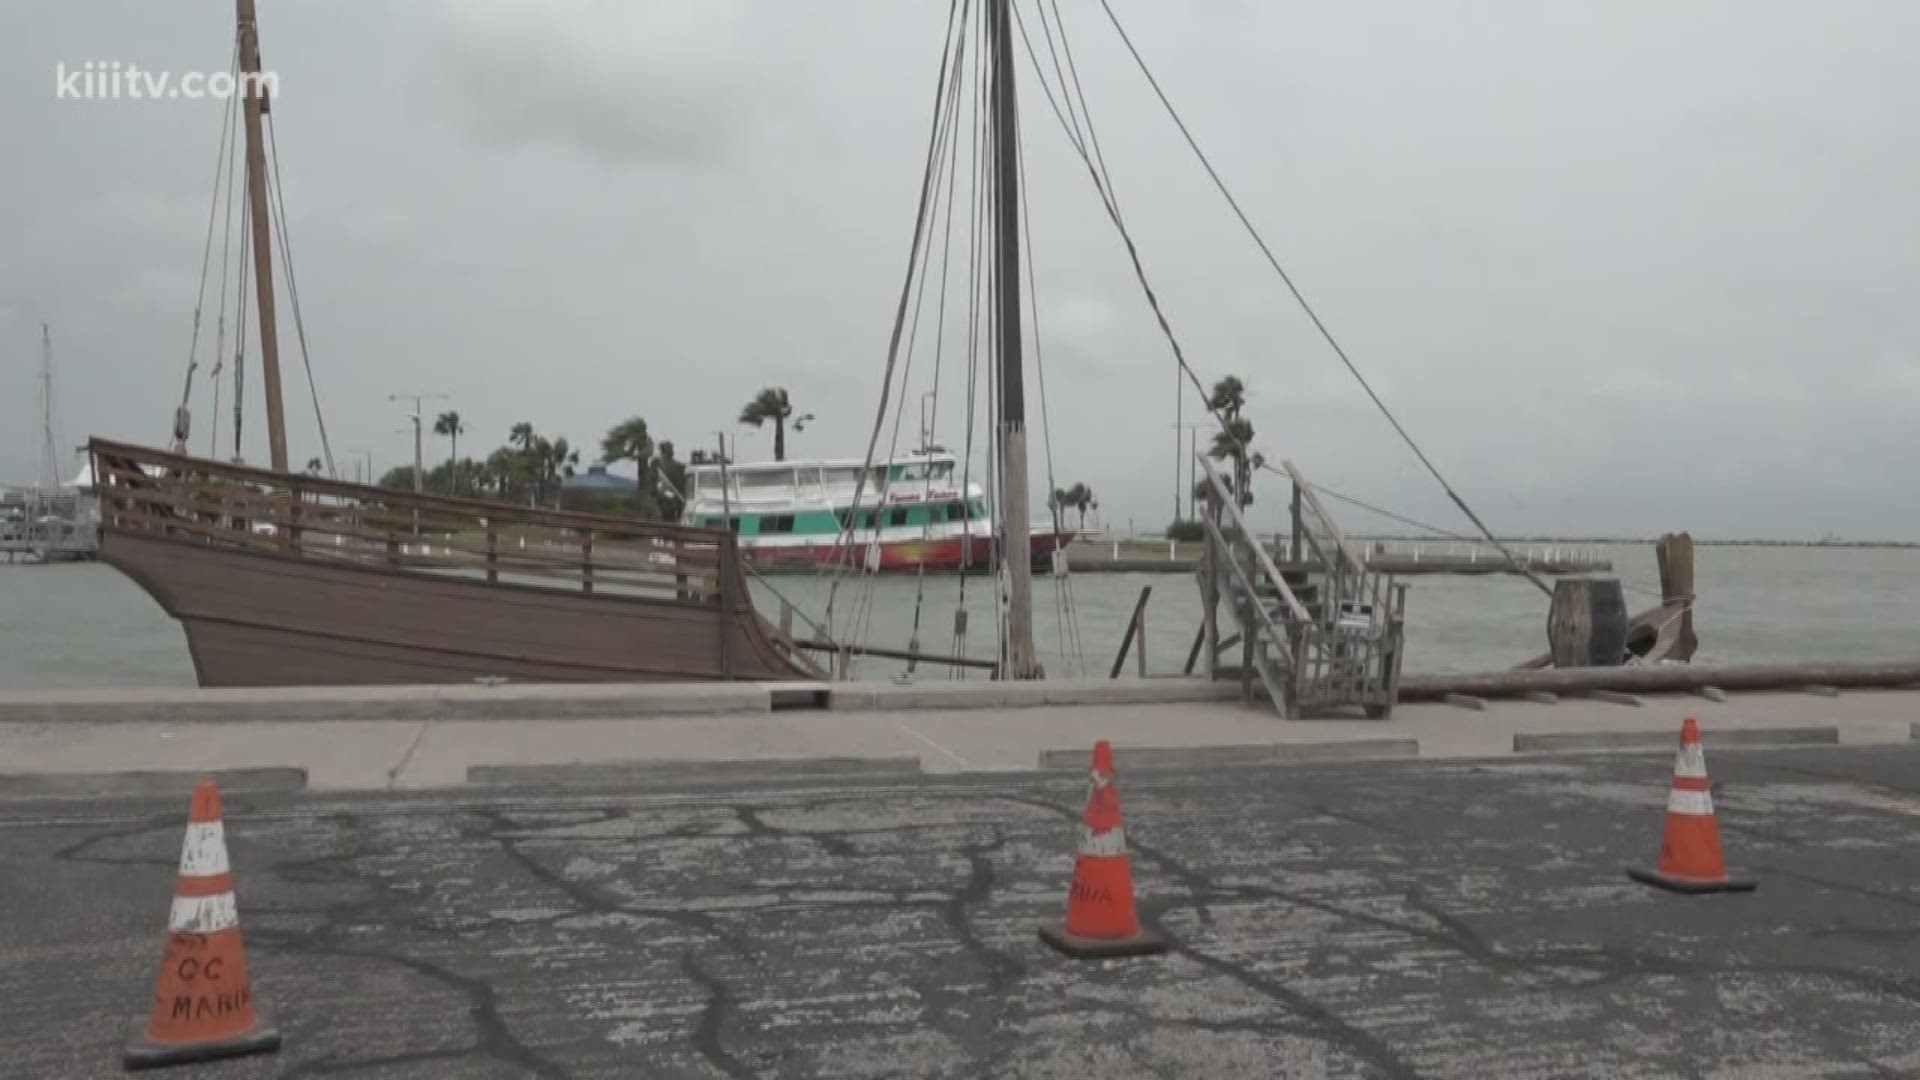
(801, 514)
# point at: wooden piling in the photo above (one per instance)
(1587, 623)
(1674, 554)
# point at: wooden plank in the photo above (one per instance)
(1616, 697)
(1711, 693)
(1541, 697)
(1466, 701)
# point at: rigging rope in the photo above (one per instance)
(240, 324)
(1300, 298)
(220, 168)
(939, 351)
(279, 211)
(226, 251)
(948, 55)
(1067, 622)
(976, 229)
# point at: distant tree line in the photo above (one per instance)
(531, 469)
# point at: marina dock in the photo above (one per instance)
(1396, 557)
(42, 526)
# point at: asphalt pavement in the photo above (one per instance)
(1457, 919)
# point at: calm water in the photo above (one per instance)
(87, 626)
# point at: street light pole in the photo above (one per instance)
(419, 476)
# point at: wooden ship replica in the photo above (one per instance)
(285, 579)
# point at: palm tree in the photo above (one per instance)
(522, 435)
(672, 473)
(629, 441)
(313, 466)
(552, 462)
(448, 424)
(1082, 500)
(772, 404)
(1229, 397)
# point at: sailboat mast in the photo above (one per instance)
(49, 454)
(1016, 532)
(254, 105)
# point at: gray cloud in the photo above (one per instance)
(1620, 268)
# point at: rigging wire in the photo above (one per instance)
(220, 168)
(240, 324)
(976, 229)
(1300, 298)
(948, 55)
(1066, 626)
(939, 350)
(882, 510)
(279, 213)
(226, 251)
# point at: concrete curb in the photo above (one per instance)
(1015, 695)
(1669, 738)
(666, 772)
(1126, 758)
(406, 703)
(589, 701)
(172, 782)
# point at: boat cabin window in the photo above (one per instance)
(841, 476)
(897, 517)
(807, 476)
(924, 470)
(864, 521)
(765, 480)
(776, 523)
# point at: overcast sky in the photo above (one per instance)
(1621, 267)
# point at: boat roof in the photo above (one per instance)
(836, 463)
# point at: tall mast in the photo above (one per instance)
(49, 454)
(254, 107)
(1017, 544)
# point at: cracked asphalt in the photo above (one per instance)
(1388, 919)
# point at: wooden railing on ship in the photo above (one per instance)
(142, 490)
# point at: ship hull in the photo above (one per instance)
(938, 555)
(263, 619)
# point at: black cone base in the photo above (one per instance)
(144, 1053)
(1145, 943)
(1733, 882)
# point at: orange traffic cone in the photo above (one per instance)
(1101, 920)
(1690, 860)
(203, 1004)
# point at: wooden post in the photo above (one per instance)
(1210, 591)
(493, 552)
(1299, 530)
(1133, 627)
(1674, 554)
(786, 619)
(1140, 638)
(294, 499)
(728, 561)
(586, 562)
(1587, 623)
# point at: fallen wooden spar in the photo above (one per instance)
(1665, 678)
